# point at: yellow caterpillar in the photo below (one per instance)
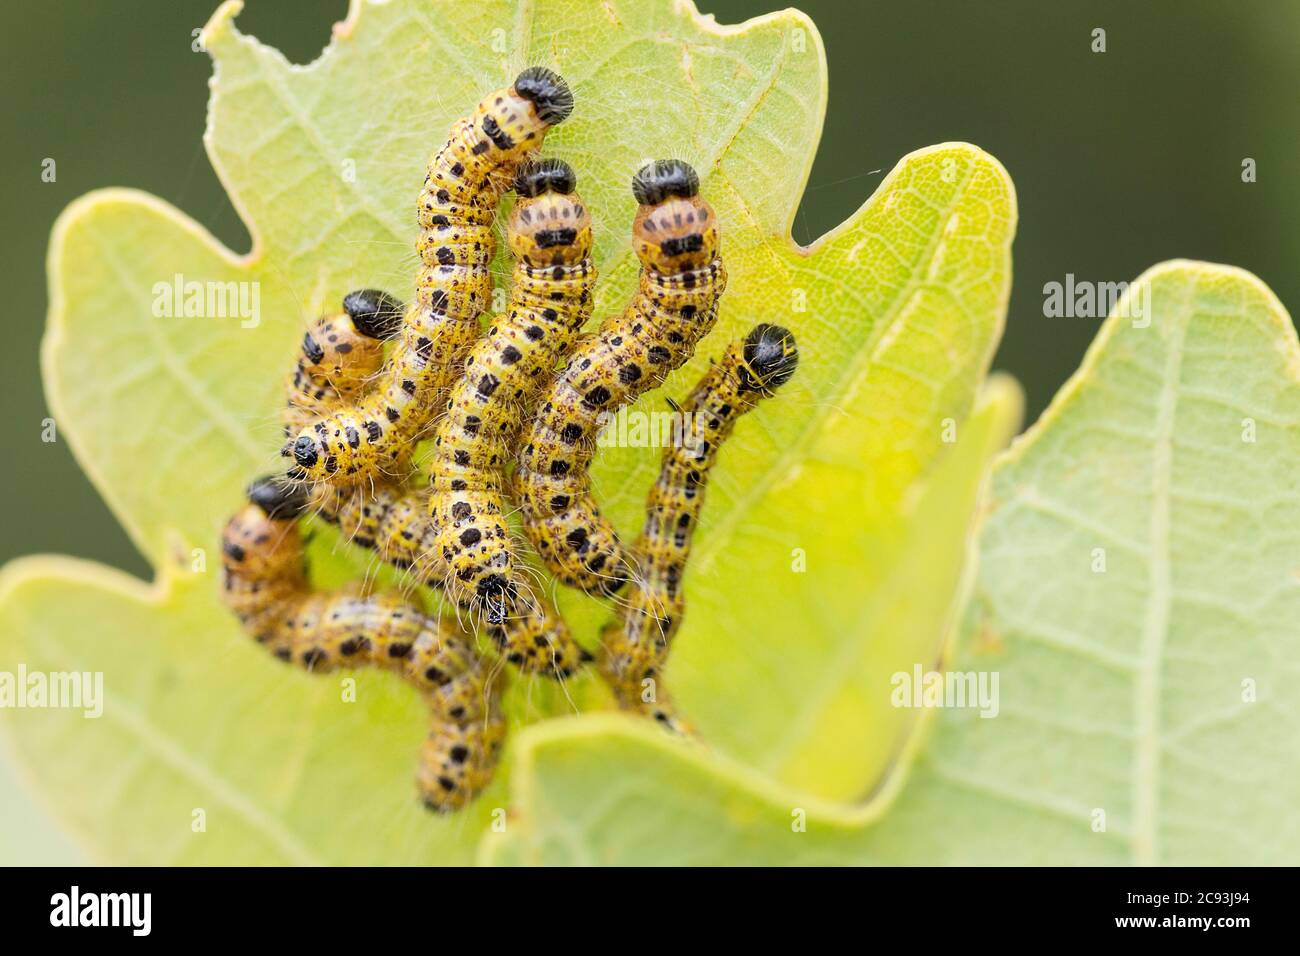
(550, 235)
(676, 237)
(338, 355)
(635, 643)
(374, 438)
(265, 584)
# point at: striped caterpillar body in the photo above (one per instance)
(339, 356)
(551, 296)
(676, 237)
(466, 178)
(635, 644)
(265, 585)
(391, 517)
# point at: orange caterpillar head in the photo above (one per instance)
(347, 348)
(516, 119)
(675, 229)
(262, 539)
(550, 225)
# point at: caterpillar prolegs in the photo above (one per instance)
(550, 235)
(676, 237)
(635, 643)
(265, 584)
(466, 178)
(338, 354)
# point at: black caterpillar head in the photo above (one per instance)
(545, 175)
(548, 91)
(278, 498)
(656, 181)
(771, 357)
(374, 313)
(304, 451)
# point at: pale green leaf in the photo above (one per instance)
(1147, 711)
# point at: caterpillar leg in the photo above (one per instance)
(677, 239)
(635, 644)
(466, 178)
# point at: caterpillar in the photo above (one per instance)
(550, 235)
(391, 517)
(372, 439)
(634, 645)
(264, 583)
(676, 237)
(339, 356)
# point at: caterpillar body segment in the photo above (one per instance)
(265, 584)
(635, 643)
(550, 235)
(676, 237)
(340, 354)
(458, 759)
(532, 636)
(390, 519)
(466, 179)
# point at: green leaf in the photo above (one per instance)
(897, 313)
(1159, 691)
(284, 770)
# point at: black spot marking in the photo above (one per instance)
(312, 349)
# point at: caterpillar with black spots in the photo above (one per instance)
(340, 355)
(550, 235)
(676, 237)
(337, 356)
(373, 438)
(635, 644)
(265, 584)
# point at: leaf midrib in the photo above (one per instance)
(1155, 628)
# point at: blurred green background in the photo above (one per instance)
(1120, 159)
